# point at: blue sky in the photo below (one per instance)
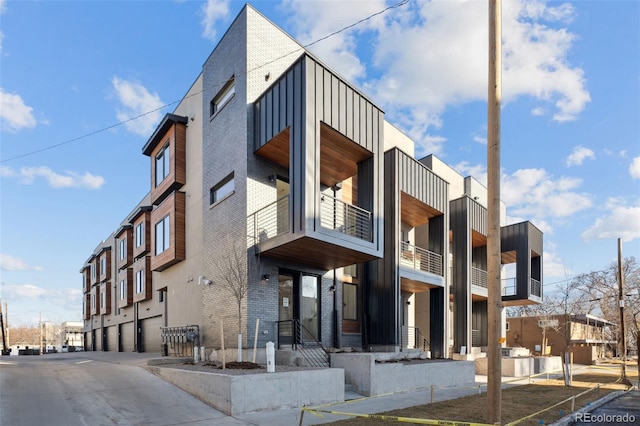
(69, 69)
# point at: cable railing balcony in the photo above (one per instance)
(535, 288)
(509, 288)
(270, 221)
(345, 218)
(479, 277)
(421, 259)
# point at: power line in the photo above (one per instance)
(104, 129)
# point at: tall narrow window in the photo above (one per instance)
(103, 266)
(222, 189)
(139, 234)
(102, 300)
(93, 271)
(123, 248)
(123, 290)
(140, 281)
(223, 97)
(163, 233)
(349, 301)
(162, 164)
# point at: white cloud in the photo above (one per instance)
(55, 180)
(314, 20)
(26, 291)
(535, 193)
(478, 171)
(634, 168)
(3, 6)
(579, 154)
(620, 221)
(213, 11)
(14, 113)
(443, 59)
(481, 140)
(136, 101)
(538, 112)
(11, 263)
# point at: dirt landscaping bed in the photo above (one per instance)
(517, 402)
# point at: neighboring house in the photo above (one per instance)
(354, 239)
(71, 334)
(588, 337)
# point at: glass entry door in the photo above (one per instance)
(298, 299)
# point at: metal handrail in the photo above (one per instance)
(304, 342)
(535, 288)
(420, 259)
(414, 337)
(345, 218)
(479, 277)
(510, 288)
(271, 220)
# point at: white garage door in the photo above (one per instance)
(127, 337)
(151, 341)
(112, 338)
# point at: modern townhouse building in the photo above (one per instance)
(278, 178)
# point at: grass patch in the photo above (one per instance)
(517, 402)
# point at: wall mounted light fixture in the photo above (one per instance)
(265, 278)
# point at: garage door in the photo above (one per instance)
(127, 337)
(112, 338)
(151, 341)
(99, 338)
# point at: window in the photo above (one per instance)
(162, 164)
(224, 188)
(139, 234)
(93, 271)
(163, 233)
(123, 290)
(102, 299)
(123, 248)
(223, 97)
(140, 281)
(93, 302)
(349, 301)
(103, 266)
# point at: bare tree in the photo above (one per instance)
(234, 265)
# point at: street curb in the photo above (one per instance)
(568, 419)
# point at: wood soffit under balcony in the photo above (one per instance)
(415, 286)
(415, 212)
(317, 254)
(339, 156)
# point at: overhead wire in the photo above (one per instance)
(212, 87)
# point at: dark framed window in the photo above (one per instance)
(222, 189)
(123, 248)
(163, 235)
(140, 234)
(123, 290)
(140, 281)
(224, 95)
(162, 164)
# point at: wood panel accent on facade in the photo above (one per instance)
(174, 207)
(176, 139)
(125, 234)
(86, 278)
(339, 156)
(142, 264)
(418, 181)
(105, 292)
(87, 306)
(125, 275)
(142, 216)
(105, 273)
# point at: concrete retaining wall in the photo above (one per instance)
(522, 367)
(258, 392)
(370, 378)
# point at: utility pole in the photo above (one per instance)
(623, 344)
(494, 307)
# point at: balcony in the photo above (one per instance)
(479, 277)
(510, 288)
(270, 229)
(420, 259)
(345, 218)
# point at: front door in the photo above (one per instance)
(298, 300)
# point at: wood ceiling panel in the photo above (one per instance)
(339, 156)
(415, 212)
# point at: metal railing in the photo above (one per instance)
(270, 221)
(535, 288)
(345, 218)
(420, 259)
(510, 288)
(301, 340)
(475, 338)
(412, 338)
(180, 341)
(479, 277)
